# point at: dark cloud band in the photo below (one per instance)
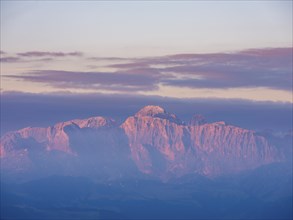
(138, 80)
(19, 110)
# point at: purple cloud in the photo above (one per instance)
(21, 60)
(223, 76)
(268, 67)
(108, 59)
(36, 56)
(48, 54)
(9, 59)
(136, 80)
(130, 65)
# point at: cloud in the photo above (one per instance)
(269, 67)
(48, 54)
(225, 76)
(129, 65)
(20, 110)
(109, 59)
(9, 59)
(134, 80)
(276, 52)
(132, 65)
(254, 68)
(2, 52)
(35, 56)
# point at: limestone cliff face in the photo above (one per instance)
(154, 140)
(225, 148)
(161, 145)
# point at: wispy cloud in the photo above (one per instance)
(35, 56)
(14, 59)
(9, 59)
(221, 75)
(109, 59)
(270, 68)
(139, 80)
(130, 65)
(48, 54)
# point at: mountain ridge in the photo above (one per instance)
(159, 143)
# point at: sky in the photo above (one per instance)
(145, 28)
(176, 49)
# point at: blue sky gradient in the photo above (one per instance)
(144, 28)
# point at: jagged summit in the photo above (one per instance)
(157, 112)
(151, 110)
(95, 122)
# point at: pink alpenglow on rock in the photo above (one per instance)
(158, 142)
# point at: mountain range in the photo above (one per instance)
(152, 142)
(150, 166)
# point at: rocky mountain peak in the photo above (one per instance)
(151, 110)
(157, 112)
(94, 122)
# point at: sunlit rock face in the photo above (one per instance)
(162, 145)
(157, 112)
(158, 142)
(51, 138)
(94, 146)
